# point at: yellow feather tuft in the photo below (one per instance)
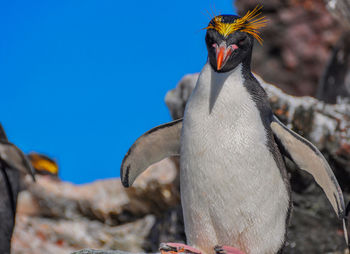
(250, 23)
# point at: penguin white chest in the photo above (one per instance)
(231, 188)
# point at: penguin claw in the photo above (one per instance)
(227, 250)
(173, 248)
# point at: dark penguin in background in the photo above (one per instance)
(12, 164)
(235, 192)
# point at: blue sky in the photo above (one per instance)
(81, 80)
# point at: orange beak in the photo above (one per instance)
(223, 53)
(220, 55)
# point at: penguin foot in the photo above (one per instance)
(173, 248)
(227, 250)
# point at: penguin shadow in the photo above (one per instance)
(216, 85)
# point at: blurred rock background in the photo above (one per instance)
(59, 217)
(302, 43)
(297, 43)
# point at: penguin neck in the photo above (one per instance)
(246, 64)
(222, 84)
(211, 83)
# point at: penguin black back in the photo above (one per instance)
(9, 189)
(2, 133)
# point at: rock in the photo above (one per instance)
(60, 217)
(298, 42)
(169, 228)
(334, 84)
(340, 9)
(106, 200)
(306, 46)
(90, 251)
(47, 235)
(176, 99)
(314, 227)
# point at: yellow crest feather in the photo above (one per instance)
(250, 23)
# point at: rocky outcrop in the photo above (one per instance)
(60, 217)
(298, 42)
(91, 251)
(306, 47)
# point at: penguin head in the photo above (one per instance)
(43, 165)
(230, 39)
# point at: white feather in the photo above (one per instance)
(231, 188)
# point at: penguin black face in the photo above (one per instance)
(230, 39)
(226, 52)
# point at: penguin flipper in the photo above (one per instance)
(307, 157)
(14, 158)
(2, 133)
(153, 146)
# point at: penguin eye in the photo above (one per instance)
(242, 41)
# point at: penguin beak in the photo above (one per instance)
(223, 53)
